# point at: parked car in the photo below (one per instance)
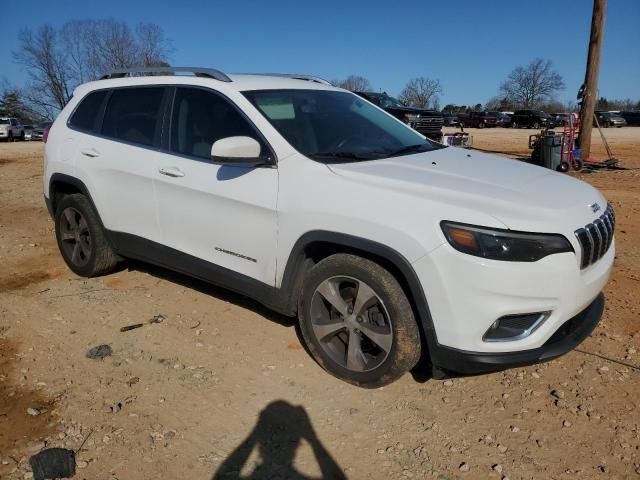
(502, 119)
(316, 203)
(531, 119)
(427, 122)
(608, 119)
(11, 129)
(479, 120)
(450, 119)
(632, 117)
(38, 131)
(28, 130)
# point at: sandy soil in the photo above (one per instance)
(223, 386)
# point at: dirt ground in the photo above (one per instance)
(220, 387)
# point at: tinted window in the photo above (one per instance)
(86, 115)
(133, 115)
(200, 118)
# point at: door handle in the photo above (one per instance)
(90, 152)
(174, 172)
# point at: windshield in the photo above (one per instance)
(334, 126)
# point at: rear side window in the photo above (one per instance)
(86, 115)
(134, 115)
(200, 118)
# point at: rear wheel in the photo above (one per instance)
(481, 125)
(81, 238)
(536, 125)
(514, 124)
(22, 136)
(357, 321)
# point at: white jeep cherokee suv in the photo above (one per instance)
(317, 203)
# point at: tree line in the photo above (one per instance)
(531, 86)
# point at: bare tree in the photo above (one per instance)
(529, 86)
(421, 92)
(57, 60)
(153, 46)
(354, 83)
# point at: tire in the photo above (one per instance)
(22, 136)
(578, 165)
(10, 137)
(82, 241)
(563, 167)
(481, 125)
(343, 344)
(514, 125)
(536, 125)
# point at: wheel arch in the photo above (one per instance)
(316, 245)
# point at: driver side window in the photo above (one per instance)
(200, 118)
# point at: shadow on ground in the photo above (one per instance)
(280, 429)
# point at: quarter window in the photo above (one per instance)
(134, 115)
(200, 118)
(86, 115)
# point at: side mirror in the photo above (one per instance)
(242, 150)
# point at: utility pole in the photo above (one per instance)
(591, 78)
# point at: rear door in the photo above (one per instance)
(224, 214)
(117, 155)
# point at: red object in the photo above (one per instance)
(45, 134)
(569, 135)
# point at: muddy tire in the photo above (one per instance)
(81, 238)
(357, 322)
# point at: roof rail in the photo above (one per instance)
(309, 78)
(197, 71)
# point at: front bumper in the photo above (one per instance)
(571, 334)
(4, 133)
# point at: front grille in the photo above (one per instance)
(428, 123)
(595, 238)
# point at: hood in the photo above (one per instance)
(517, 195)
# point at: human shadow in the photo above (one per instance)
(279, 432)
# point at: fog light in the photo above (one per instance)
(514, 327)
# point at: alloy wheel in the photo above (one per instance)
(75, 237)
(351, 323)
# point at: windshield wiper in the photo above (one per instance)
(341, 155)
(408, 149)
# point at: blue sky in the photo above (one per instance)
(470, 46)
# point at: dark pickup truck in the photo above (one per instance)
(478, 120)
(531, 119)
(427, 122)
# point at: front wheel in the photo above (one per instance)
(357, 321)
(481, 125)
(514, 125)
(536, 125)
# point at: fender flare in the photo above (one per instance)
(294, 270)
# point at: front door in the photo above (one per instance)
(223, 214)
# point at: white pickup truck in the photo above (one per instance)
(11, 129)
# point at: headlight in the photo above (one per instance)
(505, 245)
(411, 117)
